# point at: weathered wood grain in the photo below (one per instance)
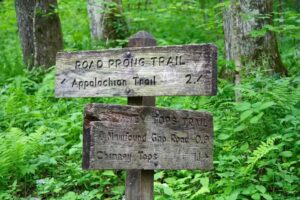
(140, 183)
(139, 71)
(138, 137)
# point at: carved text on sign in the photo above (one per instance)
(146, 138)
(145, 71)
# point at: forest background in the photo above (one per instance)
(256, 113)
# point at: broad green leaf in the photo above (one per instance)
(240, 128)
(255, 119)
(267, 105)
(223, 136)
(255, 196)
(204, 189)
(262, 105)
(267, 196)
(118, 189)
(256, 105)
(245, 115)
(205, 182)
(167, 190)
(247, 190)
(234, 195)
(260, 188)
(286, 154)
(245, 147)
(57, 189)
(158, 175)
(170, 180)
(69, 195)
(108, 173)
(243, 106)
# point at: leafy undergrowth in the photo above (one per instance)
(256, 145)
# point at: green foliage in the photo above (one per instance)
(256, 142)
(10, 63)
(260, 152)
(255, 154)
(75, 25)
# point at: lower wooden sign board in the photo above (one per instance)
(139, 137)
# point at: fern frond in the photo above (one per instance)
(16, 148)
(285, 91)
(34, 140)
(261, 151)
(13, 151)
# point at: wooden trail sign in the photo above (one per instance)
(138, 71)
(139, 137)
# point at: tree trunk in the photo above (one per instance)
(281, 12)
(25, 12)
(240, 20)
(203, 7)
(107, 20)
(147, 3)
(297, 5)
(40, 31)
(232, 45)
(47, 32)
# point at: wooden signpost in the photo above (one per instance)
(139, 137)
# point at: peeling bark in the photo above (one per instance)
(47, 32)
(106, 19)
(242, 18)
(25, 12)
(203, 7)
(40, 32)
(297, 5)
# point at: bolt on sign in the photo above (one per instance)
(140, 71)
(139, 137)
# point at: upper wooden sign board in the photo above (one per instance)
(143, 71)
(138, 137)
